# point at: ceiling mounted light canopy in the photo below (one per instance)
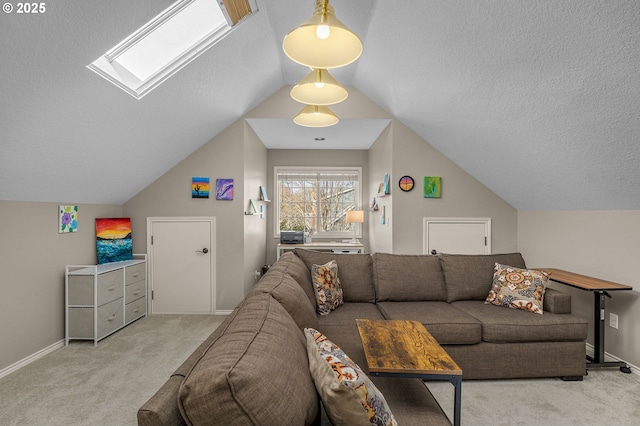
(322, 41)
(319, 88)
(315, 116)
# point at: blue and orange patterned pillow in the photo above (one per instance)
(518, 288)
(348, 395)
(327, 287)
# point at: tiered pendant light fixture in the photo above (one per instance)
(321, 42)
(319, 88)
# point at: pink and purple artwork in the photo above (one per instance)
(224, 189)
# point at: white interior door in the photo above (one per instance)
(182, 263)
(457, 235)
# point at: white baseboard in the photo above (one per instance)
(221, 312)
(608, 357)
(33, 357)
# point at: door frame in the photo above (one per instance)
(481, 220)
(150, 222)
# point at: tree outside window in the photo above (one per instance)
(317, 201)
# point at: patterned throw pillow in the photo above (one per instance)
(518, 288)
(348, 395)
(326, 286)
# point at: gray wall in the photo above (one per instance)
(170, 196)
(32, 259)
(380, 163)
(462, 195)
(255, 228)
(601, 244)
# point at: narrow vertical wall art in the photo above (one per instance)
(113, 239)
(432, 186)
(224, 189)
(199, 187)
(67, 219)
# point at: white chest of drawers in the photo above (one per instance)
(101, 299)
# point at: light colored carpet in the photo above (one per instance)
(105, 385)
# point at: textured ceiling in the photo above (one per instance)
(538, 100)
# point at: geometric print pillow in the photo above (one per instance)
(326, 286)
(517, 288)
(348, 395)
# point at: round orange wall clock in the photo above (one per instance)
(406, 183)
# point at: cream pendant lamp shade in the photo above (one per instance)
(322, 41)
(315, 116)
(319, 88)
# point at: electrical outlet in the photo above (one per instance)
(613, 321)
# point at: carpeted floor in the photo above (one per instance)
(105, 385)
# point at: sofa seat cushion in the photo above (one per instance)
(469, 277)
(261, 354)
(356, 272)
(402, 277)
(447, 324)
(347, 314)
(501, 325)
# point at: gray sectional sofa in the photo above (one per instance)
(253, 369)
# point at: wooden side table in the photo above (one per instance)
(396, 348)
(600, 289)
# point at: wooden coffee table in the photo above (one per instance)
(395, 348)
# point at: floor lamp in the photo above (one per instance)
(355, 216)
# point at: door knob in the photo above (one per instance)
(204, 250)
(432, 252)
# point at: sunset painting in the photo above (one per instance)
(199, 187)
(113, 240)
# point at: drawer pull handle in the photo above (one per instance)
(111, 288)
(135, 275)
(137, 292)
(136, 310)
(111, 318)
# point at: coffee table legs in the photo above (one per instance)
(455, 380)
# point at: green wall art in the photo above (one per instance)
(432, 186)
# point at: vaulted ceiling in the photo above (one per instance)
(538, 99)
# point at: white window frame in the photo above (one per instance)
(312, 169)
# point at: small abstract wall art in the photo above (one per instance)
(224, 189)
(68, 219)
(199, 187)
(432, 186)
(113, 239)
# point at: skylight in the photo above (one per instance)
(168, 42)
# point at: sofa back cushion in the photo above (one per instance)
(469, 276)
(408, 277)
(294, 266)
(290, 295)
(355, 272)
(257, 372)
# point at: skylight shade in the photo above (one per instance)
(167, 43)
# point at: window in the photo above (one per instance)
(317, 200)
(168, 42)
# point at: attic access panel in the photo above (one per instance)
(168, 42)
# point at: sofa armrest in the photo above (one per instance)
(556, 301)
(162, 409)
